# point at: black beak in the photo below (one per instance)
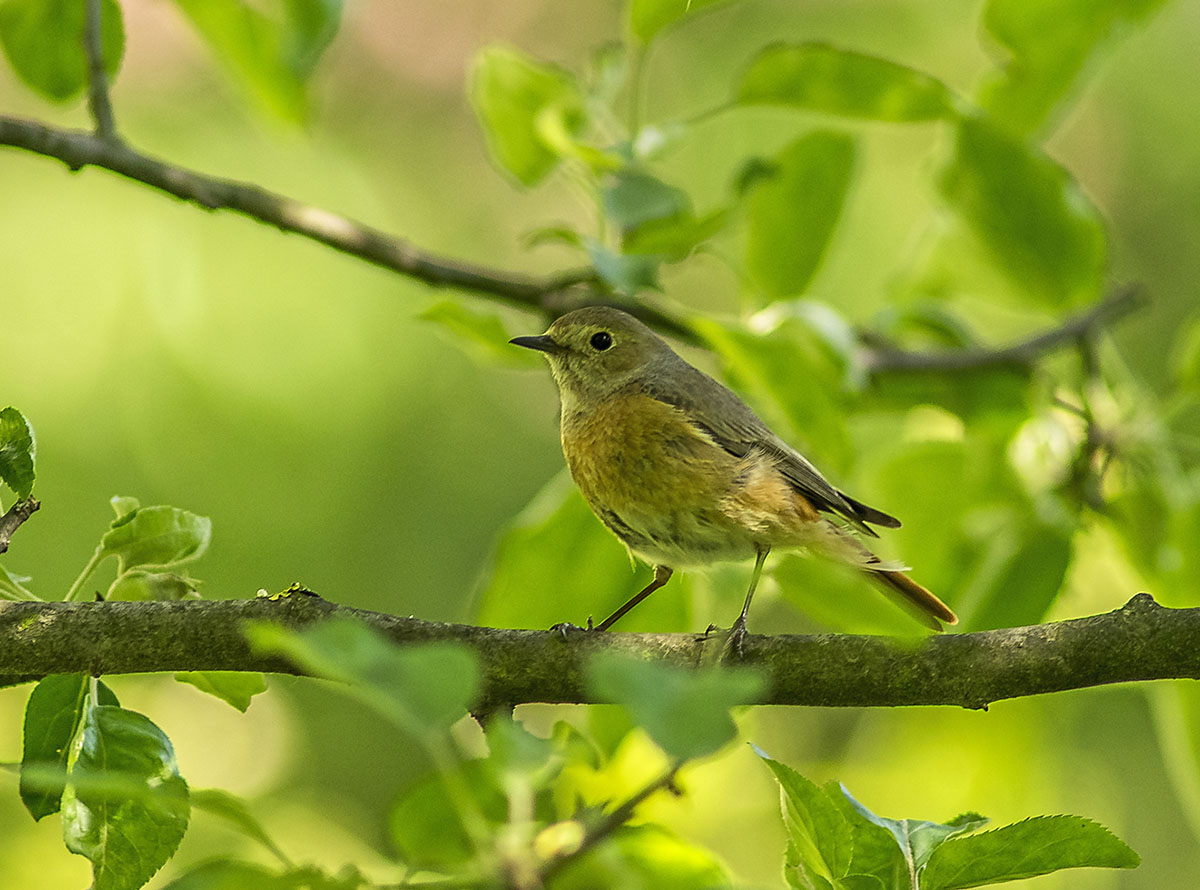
(542, 343)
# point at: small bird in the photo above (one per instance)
(685, 474)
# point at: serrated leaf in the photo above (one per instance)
(481, 333)
(818, 77)
(686, 712)
(791, 212)
(519, 102)
(1033, 847)
(646, 18)
(818, 835)
(18, 449)
(156, 536)
(43, 40)
(1046, 45)
(1028, 213)
(271, 55)
(235, 688)
(234, 810)
(126, 838)
(52, 717)
(422, 688)
(643, 856)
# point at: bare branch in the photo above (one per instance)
(1141, 641)
(93, 46)
(882, 357)
(15, 517)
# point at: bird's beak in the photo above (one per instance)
(542, 343)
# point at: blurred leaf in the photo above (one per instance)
(271, 52)
(995, 400)
(1185, 357)
(11, 587)
(1019, 583)
(235, 688)
(155, 536)
(17, 448)
(838, 598)
(685, 711)
(510, 91)
(643, 856)
(1032, 847)
(423, 688)
(481, 333)
(1175, 709)
(1047, 44)
(1028, 212)
(674, 238)
(43, 40)
(426, 825)
(229, 874)
(819, 839)
(52, 717)
(791, 214)
(141, 586)
(817, 77)
(625, 273)
(127, 839)
(234, 810)
(648, 17)
(630, 198)
(557, 562)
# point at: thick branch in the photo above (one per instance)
(882, 357)
(1141, 641)
(14, 518)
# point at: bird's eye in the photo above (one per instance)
(601, 340)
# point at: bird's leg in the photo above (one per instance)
(662, 574)
(737, 633)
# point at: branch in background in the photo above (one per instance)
(12, 520)
(1141, 641)
(883, 357)
(93, 47)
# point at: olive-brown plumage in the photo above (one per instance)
(684, 473)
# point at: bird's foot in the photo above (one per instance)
(708, 631)
(566, 628)
(734, 644)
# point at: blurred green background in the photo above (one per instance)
(293, 395)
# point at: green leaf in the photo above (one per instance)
(874, 852)
(625, 273)
(235, 688)
(481, 333)
(229, 874)
(520, 102)
(557, 562)
(817, 77)
(1029, 559)
(647, 18)
(1046, 45)
(126, 838)
(154, 536)
(426, 825)
(234, 810)
(17, 448)
(138, 585)
(271, 53)
(630, 198)
(819, 840)
(643, 856)
(685, 711)
(422, 688)
(52, 717)
(1028, 213)
(43, 40)
(791, 213)
(1032, 847)
(674, 238)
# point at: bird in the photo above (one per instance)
(684, 472)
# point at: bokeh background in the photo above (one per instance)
(294, 396)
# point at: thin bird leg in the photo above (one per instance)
(739, 627)
(662, 574)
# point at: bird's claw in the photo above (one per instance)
(735, 643)
(565, 628)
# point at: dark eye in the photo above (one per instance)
(601, 340)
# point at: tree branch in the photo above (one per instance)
(883, 357)
(93, 47)
(14, 518)
(1140, 641)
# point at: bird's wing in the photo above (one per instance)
(737, 429)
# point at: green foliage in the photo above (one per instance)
(649, 17)
(43, 40)
(235, 688)
(836, 843)
(17, 451)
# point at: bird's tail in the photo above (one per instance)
(929, 609)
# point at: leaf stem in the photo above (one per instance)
(74, 594)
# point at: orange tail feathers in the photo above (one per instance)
(931, 610)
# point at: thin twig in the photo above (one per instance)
(98, 100)
(884, 358)
(13, 519)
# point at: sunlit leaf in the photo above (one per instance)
(155, 536)
(127, 839)
(1035, 846)
(791, 212)
(818, 77)
(685, 711)
(647, 18)
(644, 856)
(235, 688)
(234, 810)
(43, 40)
(17, 450)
